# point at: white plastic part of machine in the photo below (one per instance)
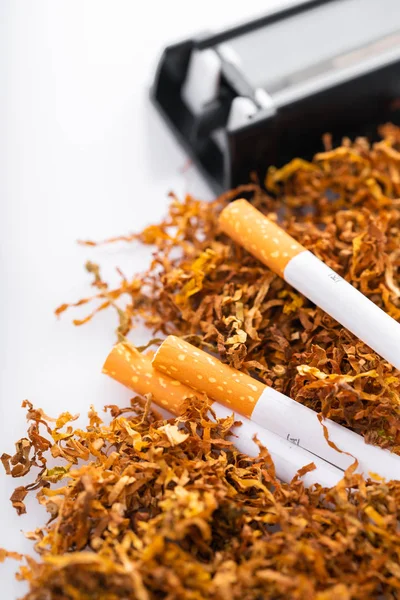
(202, 79)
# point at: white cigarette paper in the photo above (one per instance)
(287, 456)
(320, 284)
(300, 425)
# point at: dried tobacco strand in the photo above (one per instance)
(146, 508)
(344, 206)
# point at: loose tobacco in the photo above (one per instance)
(146, 508)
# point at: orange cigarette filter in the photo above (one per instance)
(259, 235)
(205, 373)
(128, 366)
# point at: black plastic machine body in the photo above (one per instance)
(266, 91)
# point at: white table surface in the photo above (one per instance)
(83, 154)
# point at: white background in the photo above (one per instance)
(83, 154)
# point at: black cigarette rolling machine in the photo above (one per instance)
(266, 91)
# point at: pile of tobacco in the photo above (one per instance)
(345, 207)
(158, 509)
(145, 508)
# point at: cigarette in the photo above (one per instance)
(272, 410)
(134, 370)
(311, 277)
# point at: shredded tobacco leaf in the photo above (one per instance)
(345, 207)
(146, 508)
